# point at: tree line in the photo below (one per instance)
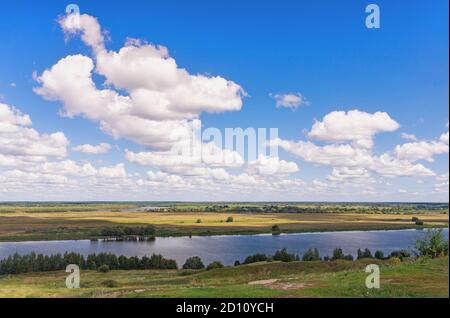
(17, 264)
(433, 245)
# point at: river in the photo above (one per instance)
(228, 249)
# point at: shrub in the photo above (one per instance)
(199, 221)
(379, 255)
(194, 263)
(395, 260)
(256, 258)
(348, 257)
(311, 255)
(214, 265)
(103, 269)
(414, 219)
(284, 256)
(433, 244)
(230, 219)
(237, 263)
(276, 228)
(400, 254)
(420, 222)
(110, 283)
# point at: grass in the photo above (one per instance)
(412, 278)
(24, 225)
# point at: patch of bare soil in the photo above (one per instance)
(275, 284)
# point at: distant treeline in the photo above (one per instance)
(121, 231)
(317, 208)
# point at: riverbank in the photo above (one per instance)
(336, 279)
(44, 226)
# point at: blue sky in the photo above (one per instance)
(319, 49)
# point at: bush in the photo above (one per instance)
(414, 219)
(311, 255)
(237, 263)
(400, 254)
(433, 244)
(110, 283)
(284, 256)
(230, 219)
(199, 221)
(276, 228)
(194, 263)
(420, 222)
(103, 269)
(214, 265)
(379, 255)
(395, 260)
(256, 258)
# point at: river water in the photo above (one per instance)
(228, 249)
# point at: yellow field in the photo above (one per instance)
(22, 223)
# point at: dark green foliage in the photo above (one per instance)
(364, 254)
(379, 255)
(420, 222)
(415, 219)
(339, 254)
(433, 244)
(283, 256)
(311, 255)
(110, 283)
(256, 258)
(230, 219)
(121, 231)
(400, 254)
(103, 269)
(17, 264)
(237, 263)
(194, 263)
(214, 265)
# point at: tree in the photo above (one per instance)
(256, 258)
(433, 244)
(284, 256)
(194, 263)
(214, 265)
(337, 254)
(379, 255)
(364, 254)
(311, 255)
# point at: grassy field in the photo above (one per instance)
(412, 278)
(39, 224)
